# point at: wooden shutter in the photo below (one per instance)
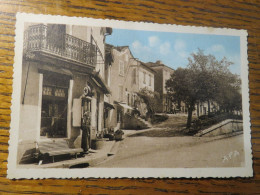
(76, 113)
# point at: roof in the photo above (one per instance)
(108, 105)
(110, 57)
(108, 54)
(147, 66)
(100, 82)
(158, 64)
(120, 48)
(124, 105)
(109, 48)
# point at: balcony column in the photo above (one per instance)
(39, 107)
(69, 111)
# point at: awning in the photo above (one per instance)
(108, 105)
(100, 82)
(54, 69)
(124, 105)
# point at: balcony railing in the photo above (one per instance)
(72, 48)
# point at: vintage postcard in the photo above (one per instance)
(106, 98)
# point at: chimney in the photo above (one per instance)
(158, 62)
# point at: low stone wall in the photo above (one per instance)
(224, 127)
(131, 122)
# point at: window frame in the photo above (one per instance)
(134, 76)
(120, 92)
(121, 68)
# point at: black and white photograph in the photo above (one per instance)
(100, 98)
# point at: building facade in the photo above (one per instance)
(63, 72)
(163, 73)
(128, 76)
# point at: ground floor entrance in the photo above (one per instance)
(54, 105)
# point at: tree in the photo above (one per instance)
(230, 99)
(212, 75)
(205, 79)
(150, 98)
(182, 87)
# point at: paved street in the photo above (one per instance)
(155, 152)
(163, 147)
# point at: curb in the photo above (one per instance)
(94, 157)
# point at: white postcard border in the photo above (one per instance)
(15, 172)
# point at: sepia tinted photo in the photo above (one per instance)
(92, 97)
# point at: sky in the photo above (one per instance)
(173, 49)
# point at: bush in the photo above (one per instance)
(208, 116)
(159, 118)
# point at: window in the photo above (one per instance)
(55, 35)
(134, 75)
(126, 58)
(120, 93)
(150, 80)
(144, 78)
(53, 91)
(128, 99)
(121, 68)
(47, 90)
(134, 100)
(119, 115)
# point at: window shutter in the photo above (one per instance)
(76, 113)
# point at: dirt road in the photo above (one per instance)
(166, 145)
(178, 152)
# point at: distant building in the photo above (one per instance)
(62, 78)
(127, 77)
(203, 108)
(163, 73)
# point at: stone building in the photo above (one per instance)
(203, 108)
(128, 76)
(163, 73)
(63, 76)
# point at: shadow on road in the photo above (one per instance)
(174, 126)
(168, 132)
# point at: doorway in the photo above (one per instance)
(54, 105)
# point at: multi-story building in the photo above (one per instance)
(62, 77)
(128, 77)
(163, 73)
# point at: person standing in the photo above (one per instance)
(85, 127)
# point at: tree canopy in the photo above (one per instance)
(150, 98)
(205, 79)
(181, 87)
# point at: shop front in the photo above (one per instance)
(59, 90)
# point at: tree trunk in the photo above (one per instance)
(189, 117)
(208, 107)
(198, 109)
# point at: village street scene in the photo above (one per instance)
(118, 98)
